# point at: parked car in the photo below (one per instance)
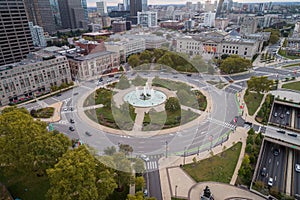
(71, 128)
(297, 167)
(270, 182)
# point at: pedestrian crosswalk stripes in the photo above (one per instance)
(151, 165)
(221, 123)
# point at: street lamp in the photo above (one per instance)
(176, 186)
(211, 139)
(184, 155)
(166, 149)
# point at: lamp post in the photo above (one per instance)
(211, 139)
(176, 186)
(166, 149)
(184, 155)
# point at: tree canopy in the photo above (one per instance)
(275, 35)
(235, 64)
(26, 145)
(172, 104)
(79, 175)
(259, 84)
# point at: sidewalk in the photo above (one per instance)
(56, 115)
(176, 177)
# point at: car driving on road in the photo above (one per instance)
(270, 182)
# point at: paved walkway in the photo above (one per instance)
(221, 191)
(181, 179)
(118, 98)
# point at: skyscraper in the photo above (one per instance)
(126, 4)
(15, 37)
(56, 13)
(84, 6)
(144, 5)
(72, 14)
(102, 8)
(219, 8)
(135, 6)
(37, 34)
(40, 13)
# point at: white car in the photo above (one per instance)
(270, 182)
(297, 167)
(65, 109)
(145, 158)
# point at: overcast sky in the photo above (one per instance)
(153, 2)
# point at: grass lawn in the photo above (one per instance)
(219, 168)
(25, 187)
(252, 100)
(163, 120)
(283, 53)
(292, 86)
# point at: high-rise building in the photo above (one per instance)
(15, 37)
(56, 13)
(84, 6)
(219, 8)
(135, 6)
(37, 34)
(40, 13)
(209, 19)
(126, 4)
(72, 14)
(147, 19)
(102, 8)
(144, 5)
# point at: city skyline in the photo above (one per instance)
(92, 3)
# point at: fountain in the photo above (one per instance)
(145, 97)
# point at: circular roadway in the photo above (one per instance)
(202, 136)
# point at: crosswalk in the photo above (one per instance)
(221, 123)
(151, 165)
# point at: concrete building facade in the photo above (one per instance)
(119, 26)
(217, 44)
(32, 77)
(37, 34)
(126, 47)
(72, 14)
(93, 65)
(102, 8)
(40, 13)
(209, 19)
(147, 19)
(15, 36)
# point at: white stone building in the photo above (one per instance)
(209, 19)
(92, 65)
(32, 77)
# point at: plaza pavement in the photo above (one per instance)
(171, 175)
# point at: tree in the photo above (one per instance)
(146, 55)
(78, 175)
(140, 183)
(123, 166)
(134, 60)
(126, 149)
(110, 150)
(260, 84)
(26, 145)
(172, 104)
(139, 166)
(235, 64)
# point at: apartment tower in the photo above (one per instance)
(15, 36)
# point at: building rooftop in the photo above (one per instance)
(89, 56)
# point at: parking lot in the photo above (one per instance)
(281, 115)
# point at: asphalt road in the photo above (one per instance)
(296, 182)
(153, 184)
(281, 115)
(276, 165)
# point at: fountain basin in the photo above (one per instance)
(156, 98)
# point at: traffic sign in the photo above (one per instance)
(51, 128)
